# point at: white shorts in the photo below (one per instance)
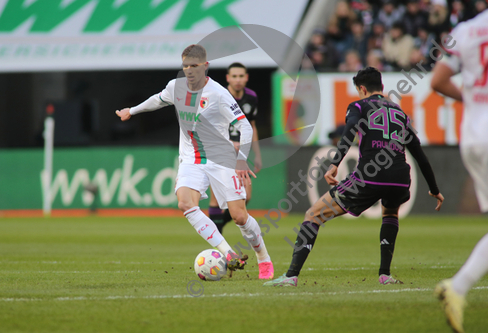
(224, 181)
(475, 159)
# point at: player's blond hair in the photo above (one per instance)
(195, 51)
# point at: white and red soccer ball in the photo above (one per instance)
(210, 265)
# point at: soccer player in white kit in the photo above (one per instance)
(469, 56)
(205, 110)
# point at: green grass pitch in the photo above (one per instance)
(132, 274)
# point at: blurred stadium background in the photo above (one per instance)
(85, 59)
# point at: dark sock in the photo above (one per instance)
(388, 234)
(305, 240)
(216, 215)
(227, 217)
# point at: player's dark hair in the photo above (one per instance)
(195, 51)
(236, 65)
(370, 78)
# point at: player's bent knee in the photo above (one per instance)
(240, 218)
(310, 214)
(184, 206)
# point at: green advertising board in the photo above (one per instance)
(135, 177)
(59, 35)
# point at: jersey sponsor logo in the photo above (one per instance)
(237, 112)
(204, 102)
(189, 116)
(234, 106)
(46, 16)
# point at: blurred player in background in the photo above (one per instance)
(207, 157)
(384, 133)
(468, 56)
(247, 99)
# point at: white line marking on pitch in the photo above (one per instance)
(174, 263)
(68, 272)
(84, 298)
(92, 262)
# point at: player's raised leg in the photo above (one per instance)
(252, 234)
(188, 200)
(326, 208)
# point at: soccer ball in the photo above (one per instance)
(210, 265)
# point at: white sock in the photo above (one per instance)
(473, 269)
(252, 234)
(207, 229)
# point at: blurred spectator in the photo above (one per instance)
(375, 59)
(414, 18)
(322, 53)
(375, 40)
(352, 62)
(438, 18)
(358, 41)
(322, 62)
(424, 5)
(458, 13)
(479, 6)
(317, 41)
(358, 5)
(390, 14)
(365, 13)
(424, 43)
(339, 27)
(397, 47)
(416, 57)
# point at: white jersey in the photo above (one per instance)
(469, 56)
(204, 118)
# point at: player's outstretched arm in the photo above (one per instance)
(124, 114)
(152, 103)
(417, 152)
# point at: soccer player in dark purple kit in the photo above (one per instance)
(247, 99)
(382, 174)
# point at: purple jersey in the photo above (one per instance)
(249, 105)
